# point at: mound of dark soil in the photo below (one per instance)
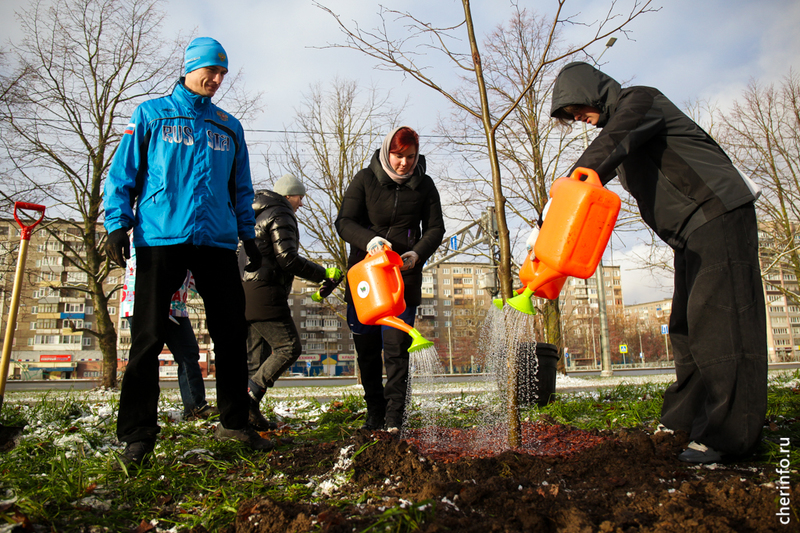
(586, 482)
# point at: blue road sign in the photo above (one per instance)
(664, 329)
(454, 242)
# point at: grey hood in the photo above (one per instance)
(581, 84)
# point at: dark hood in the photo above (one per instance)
(265, 199)
(582, 84)
(385, 180)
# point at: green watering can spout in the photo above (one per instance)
(419, 341)
(523, 303)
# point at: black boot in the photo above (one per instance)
(255, 391)
(375, 419)
(257, 420)
(394, 421)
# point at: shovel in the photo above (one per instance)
(10, 434)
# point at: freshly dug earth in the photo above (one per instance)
(568, 480)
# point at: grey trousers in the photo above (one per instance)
(272, 347)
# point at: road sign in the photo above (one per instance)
(454, 242)
(623, 348)
(664, 329)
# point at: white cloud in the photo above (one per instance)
(641, 285)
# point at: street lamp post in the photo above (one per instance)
(450, 347)
(605, 348)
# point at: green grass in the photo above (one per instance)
(60, 475)
(624, 406)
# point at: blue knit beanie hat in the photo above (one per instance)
(204, 52)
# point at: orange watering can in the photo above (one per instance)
(376, 286)
(572, 239)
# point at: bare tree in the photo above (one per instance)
(336, 130)
(401, 54)
(82, 66)
(761, 133)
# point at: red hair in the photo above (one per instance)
(404, 139)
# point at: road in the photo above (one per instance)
(84, 384)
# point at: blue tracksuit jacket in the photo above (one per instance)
(183, 163)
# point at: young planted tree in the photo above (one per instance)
(81, 68)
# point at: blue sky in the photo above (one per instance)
(690, 50)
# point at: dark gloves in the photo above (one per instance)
(328, 284)
(118, 246)
(253, 255)
(333, 277)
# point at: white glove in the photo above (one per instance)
(544, 211)
(531, 242)
(409, 260)
(377, 244)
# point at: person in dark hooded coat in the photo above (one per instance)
(691, 195)
(392, 203)
(273, 343)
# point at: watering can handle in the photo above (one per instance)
(27, 230)
(591, 176)
(399, 276)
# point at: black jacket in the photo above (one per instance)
(267, 290)
(677, 173)
(409, 216)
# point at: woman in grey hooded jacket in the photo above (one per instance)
(691, 195)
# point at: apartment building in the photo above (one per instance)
(780, 292)
(580, 305)
(55, 315)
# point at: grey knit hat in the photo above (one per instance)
(288, 185)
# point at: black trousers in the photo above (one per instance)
(160, 271)
(719, 339)
(369, 342)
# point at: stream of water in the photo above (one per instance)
(504, 332)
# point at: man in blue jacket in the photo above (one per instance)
(181, 181)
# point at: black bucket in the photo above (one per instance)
(536, 378)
